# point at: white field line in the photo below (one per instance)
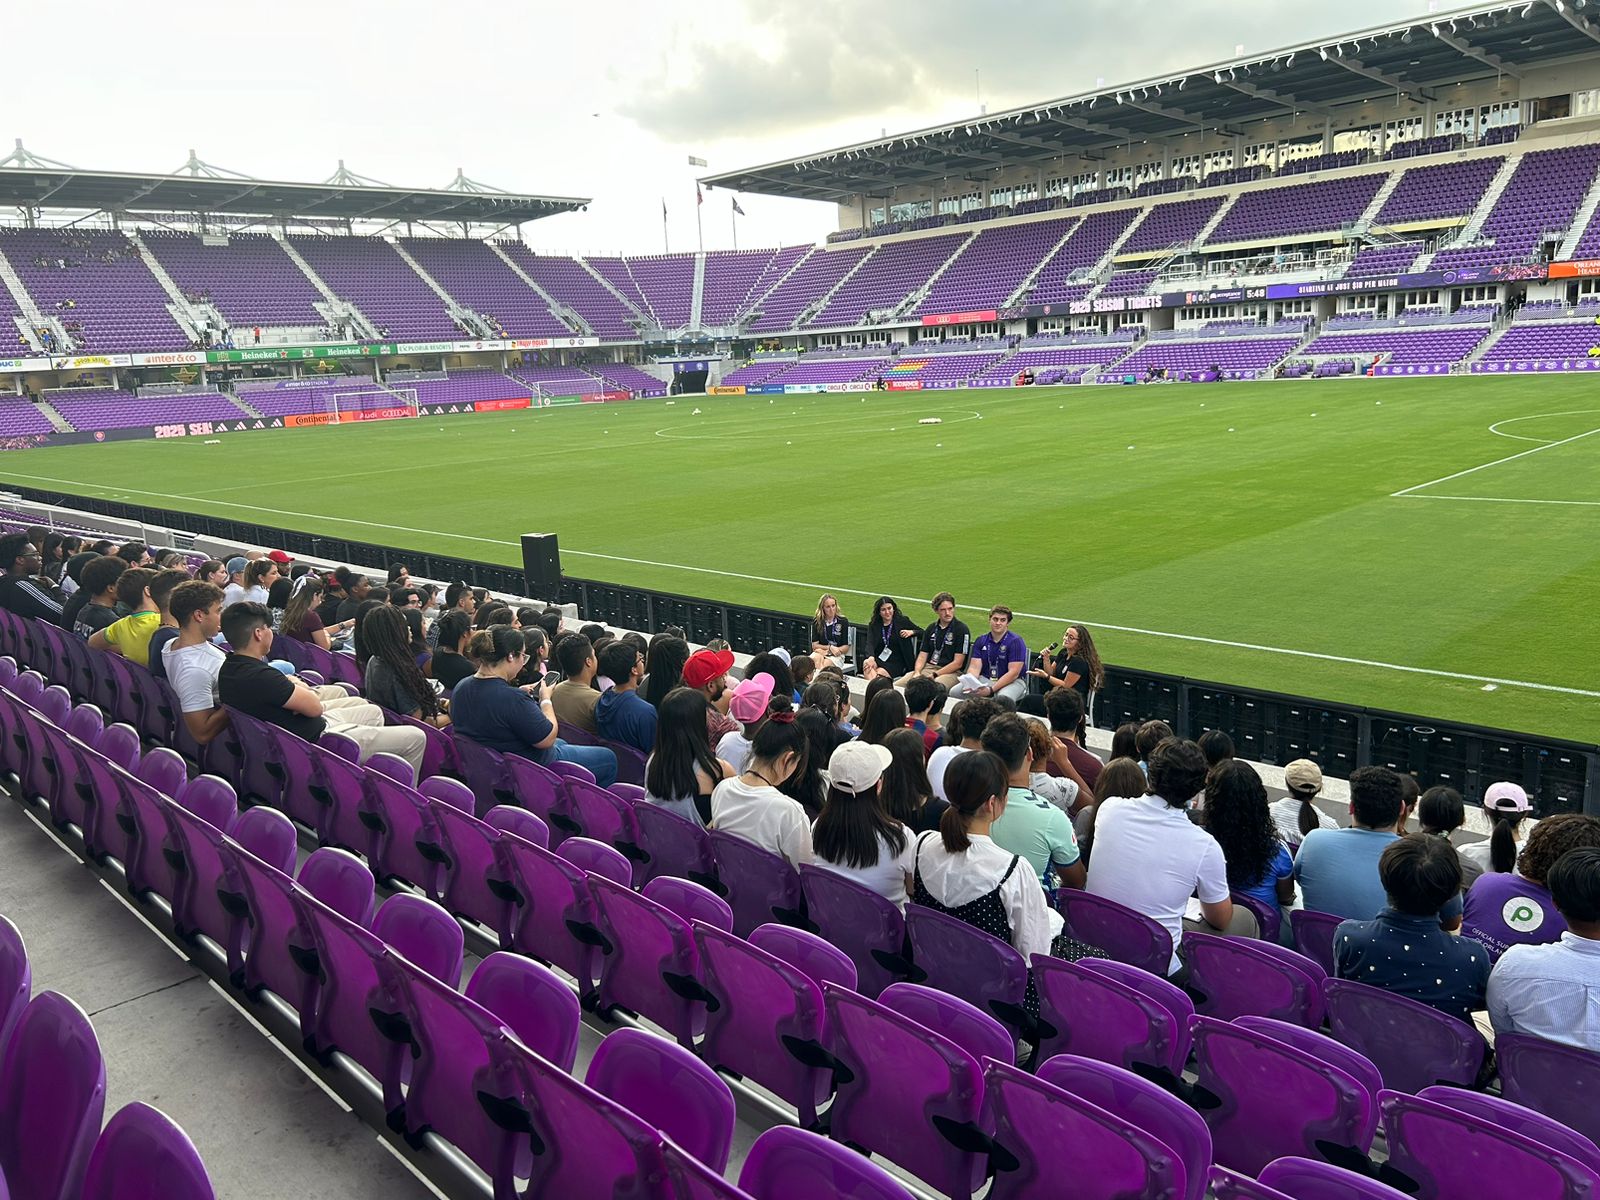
(1501, 500)
(818, 587)
(1497, 462)
(1522, 437)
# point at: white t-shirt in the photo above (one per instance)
(1476, 854)
(192, 671)
(1286, 816)
(232, 594)
(957, 879)
(1150, 857)
(256, 595)
(762, 815)
(937, 764)
(887, 876)
(733, 748)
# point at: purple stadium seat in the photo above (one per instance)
(1319, 1045)
(982, 970)
(520, 821)
(1126, 935)
(597, 858)
(1231, 977)
(16, 980)
(1557, 1080)
(142, 1152)
(341, 881)
(1313, 937)
(471, 883)
(862, 923)
(673, 845)
(761, 886)
(606, 817)
(52, 1099)
(556, 922)
(404, 838)
(667, 1088)
(1302, 1179)
(206, 901)
(821, 961)
(792, 1164)
(1412, 1044)
(423, 933)
(538, 789)
(355, 992)
(1547, 1131)
(1096, 1016)
(690, 901)
(650, 965)
(269, 835)
(533, 1002)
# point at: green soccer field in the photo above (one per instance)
(1423, 545)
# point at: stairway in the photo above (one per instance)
(1104, 266)
(752, 310)
(606, 283)
(48, 411)
(333, 308)
(1206, 230)
(816, 306)
(1026, 285)
(699, 293)
(19, 293)
(1491, 196)
(568, 316)
(187, 315)
(910, 302)
(1370, 213)
(454, 307)
(1580, 220)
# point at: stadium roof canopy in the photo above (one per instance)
(1414, 58)
(27, 181)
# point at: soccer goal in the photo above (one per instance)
(375, 404)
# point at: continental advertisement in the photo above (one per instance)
(725, 391)
(304, 420)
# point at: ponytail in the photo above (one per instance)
(1503, 843)
(1309, 818)
(970, 780)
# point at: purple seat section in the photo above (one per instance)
(1085, 247)
(248, 277)
(370, 273)
(1442, 190)
(987, 271)
(809, 281)
(116, 299)
(1297, 208)
(479, 278)
(1542, 196)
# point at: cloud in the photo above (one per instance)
(805, 65)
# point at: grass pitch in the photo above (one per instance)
(1423, 545)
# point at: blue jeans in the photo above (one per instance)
(601, 761)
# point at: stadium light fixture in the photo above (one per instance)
(1289, 62)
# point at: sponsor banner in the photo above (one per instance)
(695, 364)
(765, 389)
(547, 343)
(1521, 366)
(725, 391)
(351, 417)
(13, 366)
(1413, 369)
(1578, 268)
(425, 347)
(859, 386)
(1505, 273)
(803, 389)
(606, 397)
(296, 353)
(903, 385)
(170, 358)
(1115, 304)
(961, 318)
(501, 405)
(75, 361)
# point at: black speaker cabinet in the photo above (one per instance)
(541, 564)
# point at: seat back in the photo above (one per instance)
(597, 858)
(1560, 1081)
(795, 1164)
(163, 770)
(52, 1099)
(862, 923)
(1032, 1120)
(1124, 934)
(556, 920)
(669, 1089)
(606, 817)
(269, 835)
(1545, 1130)
(673, 845)
(764, 1019)
(404, 838)
(142, 1152)
(1302, 1179)
(957, 958)
(1437, 1152)
(761, 886)
(342, 881)
(520, 821)
(1412, 1044)
(1313, 936)
(1269, 917)
(486, 773)
(649, 963)
(690, 901)
(975, 1031)
(542, 792)
(16, 979)
(471, 883)
(533, 1002)
(278, 951)
(207, 899)
(424, 934)
(354, 989)
(1099, 1017)
(1265, 1099)
(1320, 1045)
(1232, 977)
(821, 961)
(209, 797)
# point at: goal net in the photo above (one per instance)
(375, 404)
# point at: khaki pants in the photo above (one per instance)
(362, 723)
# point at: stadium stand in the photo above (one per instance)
(247, 276)
(569, 283)
(992, 266)
(99, 280)
(1542, 195)
(883, 282)
(814, 276)
(369, 273)
(479, 279)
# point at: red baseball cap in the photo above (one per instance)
(282, 559)
(705, 665)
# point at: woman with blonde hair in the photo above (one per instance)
(830, 634)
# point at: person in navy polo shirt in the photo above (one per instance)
(998, 661)
(945, 645)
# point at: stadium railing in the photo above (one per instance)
(1268, 727)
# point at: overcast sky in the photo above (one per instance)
(599, 100)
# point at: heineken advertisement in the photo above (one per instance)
(300, 353)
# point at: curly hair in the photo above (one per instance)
(1236, 814)
(1553, 837)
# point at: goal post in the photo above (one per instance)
(375, 404)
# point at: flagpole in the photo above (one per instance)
(666, 246)
(733, 220)
(699, 201)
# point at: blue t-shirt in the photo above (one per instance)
(993, 659)
(501, 716)
(626, 717)
(1411, 956)
(158, 640)
(1265, 889)
(1338, 873)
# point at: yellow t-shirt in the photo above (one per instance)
(130, 636)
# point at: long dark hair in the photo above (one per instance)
(877, 623)
(1503, 841)
(848, 829)
(667, 656)
(887, 712)
(970, 780)
(806, 784)
(358, 645)
(386, 639)
(305, 596)
(681, 746)
(905, 781)
(1091, 656)
(451, 627)
(1236, 814)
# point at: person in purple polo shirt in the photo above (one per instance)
(998, 661)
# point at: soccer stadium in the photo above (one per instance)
(482, 721)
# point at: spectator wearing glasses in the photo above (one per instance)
(22, 589)
(622, 714)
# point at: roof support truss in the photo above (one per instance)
(1393, 82)
(1582, 24)
(1461, 46)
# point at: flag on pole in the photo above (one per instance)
(736, 207)
(696, 162)
(663, 208)
(699, 196)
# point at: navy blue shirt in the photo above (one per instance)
(494, 713)
(1412, 957)
(624, 716)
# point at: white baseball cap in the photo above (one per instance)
(856, 767)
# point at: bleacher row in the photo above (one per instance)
(257, 280)
(926, 1075)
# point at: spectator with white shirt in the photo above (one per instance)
(1296, 814)
(747, 704)
(965, 729)
(192, 662)
(854, 836)
(1151, 858)
(1508, 806)
(750, 804)
(1553, 991)
(961, 872)
(233, 590)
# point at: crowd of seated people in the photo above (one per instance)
(987, 806)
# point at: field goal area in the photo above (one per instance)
(374, 404)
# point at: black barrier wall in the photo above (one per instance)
(1266, 727)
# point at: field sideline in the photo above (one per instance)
(1372, 542)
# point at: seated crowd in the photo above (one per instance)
(985, 812)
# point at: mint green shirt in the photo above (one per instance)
(1037, 830)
